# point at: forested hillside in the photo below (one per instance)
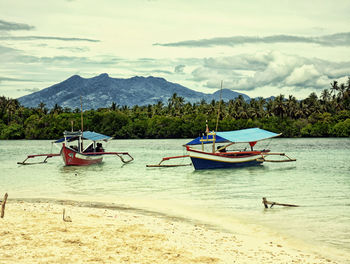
(324, 116)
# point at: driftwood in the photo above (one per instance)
(3, 203)
(66, 218)
(266, 203)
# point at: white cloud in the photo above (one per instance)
(303, 75)
(269, 69)
(260, 50)
(338, 39)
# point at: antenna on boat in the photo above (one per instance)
(81, 110)
(217, 119)
(82, 125)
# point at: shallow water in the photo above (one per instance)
(319, 181)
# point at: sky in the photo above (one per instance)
(258, 47)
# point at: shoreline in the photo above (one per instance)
(33, 231)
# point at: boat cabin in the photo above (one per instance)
(76, 141)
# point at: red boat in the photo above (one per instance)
(74, 153)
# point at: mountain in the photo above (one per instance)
(101, 91)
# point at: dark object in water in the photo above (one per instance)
(266, 203)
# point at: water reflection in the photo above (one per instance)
(81, 169)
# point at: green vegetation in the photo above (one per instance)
(327, 116)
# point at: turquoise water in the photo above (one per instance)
(319, 181)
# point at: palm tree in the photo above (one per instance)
(254, 109)
(291, 106)
(269, 108)
(279, 107)
(261, 105)
(342, 90)
(11, 107)
(334, 88)
(114, 106)
(299, 110)
(312, 103)
(325, 95)
(179, 103)
(158, 108)
(57, 109)
(41, 107)
(188, 109)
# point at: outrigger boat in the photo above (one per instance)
(221, 157)
(74, 153)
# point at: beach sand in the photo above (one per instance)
(36, 233)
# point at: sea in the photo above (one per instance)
(319, 182)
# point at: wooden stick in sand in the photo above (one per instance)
(3, 206)
(66, 218)
(265, 202)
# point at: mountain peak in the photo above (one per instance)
(101, 91)
(74, 77)
(102, 76)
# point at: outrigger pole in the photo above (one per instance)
(38, 155)
(170, 165)
(264, 154)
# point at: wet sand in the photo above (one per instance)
(36, 233)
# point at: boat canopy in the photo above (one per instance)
(86, 135)
(94, 136)
(206, 140)
(237, 136)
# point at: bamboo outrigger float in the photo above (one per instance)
(47, 156)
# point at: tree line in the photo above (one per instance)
(325, 116)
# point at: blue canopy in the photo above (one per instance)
(86, 135)
(198, 141)
(238, 136)
(94, 136)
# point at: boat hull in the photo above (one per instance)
(204, 160)
(75, 158)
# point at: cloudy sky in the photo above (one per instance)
(258, 47)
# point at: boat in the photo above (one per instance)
(220, 156)
(215, 153)
(74, 153)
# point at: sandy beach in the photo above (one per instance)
(36, 233)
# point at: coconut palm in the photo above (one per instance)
(279, 106)
(334, 88)
(291, 106)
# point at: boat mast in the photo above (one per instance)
(82, 124)
(217, 119)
